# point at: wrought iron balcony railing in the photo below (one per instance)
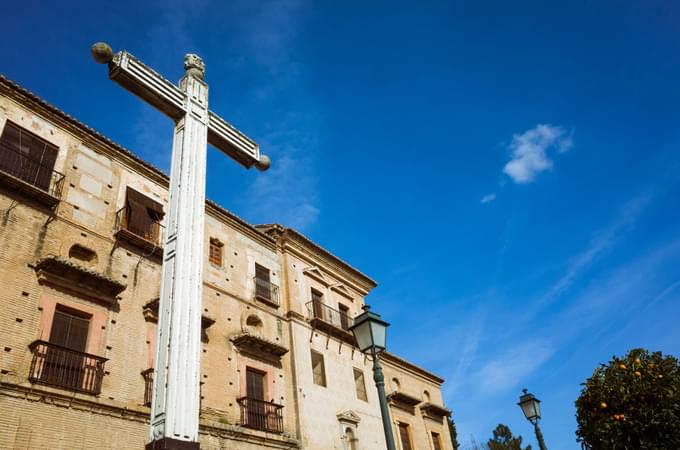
(320, 311)
(39, 175)
(261, 415)
(62, 367)
(143, 227)
(266, 291)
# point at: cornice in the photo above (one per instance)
(304, 247)
(401, 363)
(85, 133)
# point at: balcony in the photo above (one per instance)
(30, 177)
(58, 366)
(266, 292)
(332, 321)
(261, 415)
(148, 386)
(141, 231)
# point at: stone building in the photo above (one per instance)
(81, 245)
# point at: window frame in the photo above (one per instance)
(215, 252)
(362, 376)
(321, 360)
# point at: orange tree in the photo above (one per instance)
(631, 403)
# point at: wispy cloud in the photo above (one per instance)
(487, 199)
(599, 245)
(287, 193)
(508, 368)
(530, 151)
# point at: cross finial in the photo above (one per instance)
(194, 65)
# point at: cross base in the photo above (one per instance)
(167, 443)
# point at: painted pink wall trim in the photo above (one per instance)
(98, 319)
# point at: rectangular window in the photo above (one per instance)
(405, 436)
(216, 251)
(318, 369)
(360, 384)
(317, 303)
(69, 330)
(27, 156)
(143, 216)
(263, 286)
(345, 320)
(436, 442)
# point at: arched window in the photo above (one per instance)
(426, 396)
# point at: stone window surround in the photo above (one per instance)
(98, 320)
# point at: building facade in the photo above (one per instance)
(81, 245)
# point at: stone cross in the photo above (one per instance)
(176, 393)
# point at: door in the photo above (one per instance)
(255, 404)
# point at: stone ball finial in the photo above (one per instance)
(194, 65)
(102, 52)
(264, 163)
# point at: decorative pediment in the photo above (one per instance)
(68, 275)
(342, 290)
(403, 401)
(252, 343)
(316, 273)
(434, 411)
(349, 416)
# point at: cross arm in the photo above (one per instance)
(147, 84)
(226, 138)
(153, 88)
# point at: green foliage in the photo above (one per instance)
(631, 403)
(453, 433)
(504, 440)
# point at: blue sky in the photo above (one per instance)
(509, 172)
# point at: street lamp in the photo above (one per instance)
(531, 407)
(369, 332)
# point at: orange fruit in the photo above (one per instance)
(622, 366)
(637, 374)
(637, 360)
(603, 405)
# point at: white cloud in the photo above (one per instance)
(488, 198)
(530, 151)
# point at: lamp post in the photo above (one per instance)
(531, 407)
(369, 331)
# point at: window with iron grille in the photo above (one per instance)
(27, 156)
(318, 369)
(216, 251)
(360, 384)
(262, 282)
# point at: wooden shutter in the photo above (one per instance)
(262, 284)
(344, 317)
(254, 384)
(69, 330)
(317, 303)
(404, 437)
(27, 156)
(143, 215)
(360, 384)
(216, 251)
